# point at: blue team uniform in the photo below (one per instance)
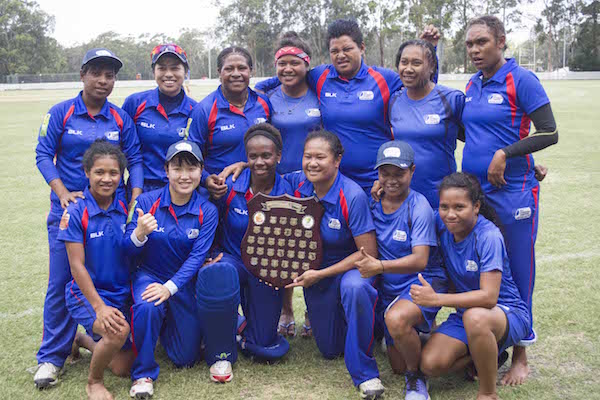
(101, 234)
(342, 308)
(218, 127)
(412, 224)
(430, 126)
(496, 115)
(261, 303)
(202, 308)
(295, 118)
(157, 129)
(481, 251)
(66, 133)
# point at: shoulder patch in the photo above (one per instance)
(64, 221)
(44, 127)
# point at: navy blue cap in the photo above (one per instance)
(102, 53)
(184, 146)
(397, 153)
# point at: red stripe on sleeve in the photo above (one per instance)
(139, 111)
(117, 118)
(321, 82)
(68, 115)
(265, 106)
(512, 96)
(212, 120)
(383, 89)
(344, 205)
(85, 219)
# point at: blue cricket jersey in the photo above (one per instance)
(68, 130)
(430, 126)
(156, 129)
(101, 233)
(295, 118)
(496, 115)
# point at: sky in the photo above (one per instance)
(79, 21)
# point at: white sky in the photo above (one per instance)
(78, 21)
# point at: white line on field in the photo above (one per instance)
(12, 316)
(566, 256)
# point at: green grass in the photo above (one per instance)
(564, 362)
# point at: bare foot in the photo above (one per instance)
(519, 369)
(97, 391)
(481, 396)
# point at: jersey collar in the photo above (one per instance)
(500, 75)
(362, 73)
(192, 206)
(223, 103)
(93, 207)
(242, 184)
(183, 108)
(81, 109)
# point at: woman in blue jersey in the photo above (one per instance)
(407, 245)
(502, 100)
(261, 304)
(490, 314)
(97, 297)
(161, 115)
(67, 131)
(175, 297)
(340, 302)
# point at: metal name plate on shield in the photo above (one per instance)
(283, 238)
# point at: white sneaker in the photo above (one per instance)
(221, 372)
(142, 388)
(46, 375)
(371, 389)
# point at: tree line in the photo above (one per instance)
(564, 34)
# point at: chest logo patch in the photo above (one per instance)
(399, 236)
(366, 95)
(472, 266)
(147, 125)
(495, 98)
(227, 127)
(259, 120)
(112, 135)
(74, 132)
(313, 112)
(192, 233)
(95, 235)
(181, 132)
(523, 213)
(240, 211)
(432, 119)
(334, 223)
(329, 94)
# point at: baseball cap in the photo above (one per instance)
(396, 153)
(184, 146)
(169, 48)
(98, 53)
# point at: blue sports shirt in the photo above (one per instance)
(496, 115)
(68, 130)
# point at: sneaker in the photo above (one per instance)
(142, 388)
(371, 389)
(46, 375)
(416, 387)
(221, 372)
(529, 340)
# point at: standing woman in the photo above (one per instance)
(174, 296)
(161, 115)
(341, 304)
(68, 130)
(502, 100)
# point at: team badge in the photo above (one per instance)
(334, 223)
(523, 213)
(472, 266)
(112, 135)
(313, 112)
(366, 95)
(432, 119)
(192, 233)
(181, 132)
(399, 236)
(495, 98)
(259, 120)
(64, 221)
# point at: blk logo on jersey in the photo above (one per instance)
(160, 229)
(74, 132)
(192, 233)
(495, 98)
(468, 99)
(95, 235)
(227, 127)
(147, 125)
(112, 135)
(432, 119)
(329, 94)
(334, 223)
(399, 236)
(240, 211)
(523, 213)
(472, 266)
(366, 95)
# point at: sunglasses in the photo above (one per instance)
(170, 48)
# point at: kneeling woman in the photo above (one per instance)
(261, 303)
(340, 302)
(170, 233)
(491, 316)
(96, 298)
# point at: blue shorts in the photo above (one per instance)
(517, 325)
(83, 313)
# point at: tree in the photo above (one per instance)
(587, 45)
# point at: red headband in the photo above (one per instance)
(292, 51)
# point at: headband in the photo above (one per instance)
(292, 51)
(267, 134)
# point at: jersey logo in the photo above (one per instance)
(74, 132)
(95, 235)
(192, 233)
(313, 112)
(181, 132)
(468, 99)
(112, 135)
(399, 236)
(334, 223)
(495, 98)
(64, 221)
(259, 120)
(123, 226)
(160, 229)
(523, 213)
(240, 211)
(44, 127)
(472, 266)
(147, 125)
(329, 94)
(227, 127)
(432, 119)
(366, 95)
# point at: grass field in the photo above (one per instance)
(565, 361)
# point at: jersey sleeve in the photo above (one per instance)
(132, 149)
(201, 246)
(48, 141)
(129, 106)
(491, 251)
(530, 93)
(457, 104)
(391, 77)
(71, 229)
(423, 225)
(267, 84)
(360, 220)
(198, 127)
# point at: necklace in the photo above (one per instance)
(241, 105)
(291, 109)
